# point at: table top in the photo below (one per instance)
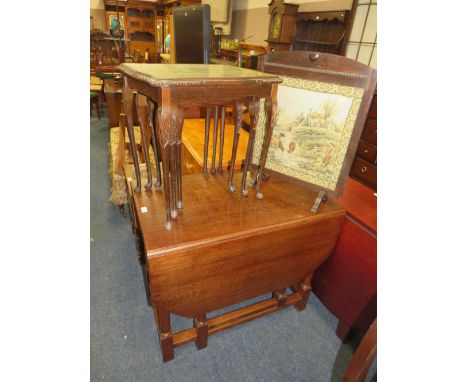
(245, 52)
(194, 74)
(207, 200)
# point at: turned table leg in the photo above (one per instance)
(179, 175)
(200, 325)
(207, 140)
(221, 139)
(165, 334)
(304, 291)
(238, 123)
(142, 110)
(153, 128)
(127, 97)
(174, 178)
(270, 109)
(214, 139)
(253, 111)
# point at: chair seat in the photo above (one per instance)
(118, 189)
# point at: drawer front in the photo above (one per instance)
(367, 152)
(365, 171)
(370, 132)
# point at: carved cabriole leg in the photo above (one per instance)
(238, 122)
(152, 127)
(201, 327)
(221, 139)
(270, 109)
(253, 111)
(215, 139)
(142, 109)
(128, 101)
(280, 296)
(170, 120)
(207, 140)
(304, 291)
(165, 334)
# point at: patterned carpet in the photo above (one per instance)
(285, 346)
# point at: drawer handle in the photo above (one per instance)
(366, 151)
(363, 169)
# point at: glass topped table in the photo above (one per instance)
(173, 87)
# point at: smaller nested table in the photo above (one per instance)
(173, 87)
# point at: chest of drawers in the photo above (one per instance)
(364, 168)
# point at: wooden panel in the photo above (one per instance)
(218, 273)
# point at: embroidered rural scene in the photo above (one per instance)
(308, 130)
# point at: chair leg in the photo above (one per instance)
(98, 108)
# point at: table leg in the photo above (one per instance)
(304, 291)
(215, 140)
(221, 139)
(201, 327)
(270, 109)
(238, 123)
(207, 140)
(170, 121)
(165, 334)
(152, 124)
(174, 178)
(128, 102)
(142, 109)
(179, 176)
(254, 105)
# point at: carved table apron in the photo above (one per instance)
(237, 249)
(176, 86)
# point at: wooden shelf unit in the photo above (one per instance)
(326, 32)
(321, 31)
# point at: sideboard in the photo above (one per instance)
(347, 282)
